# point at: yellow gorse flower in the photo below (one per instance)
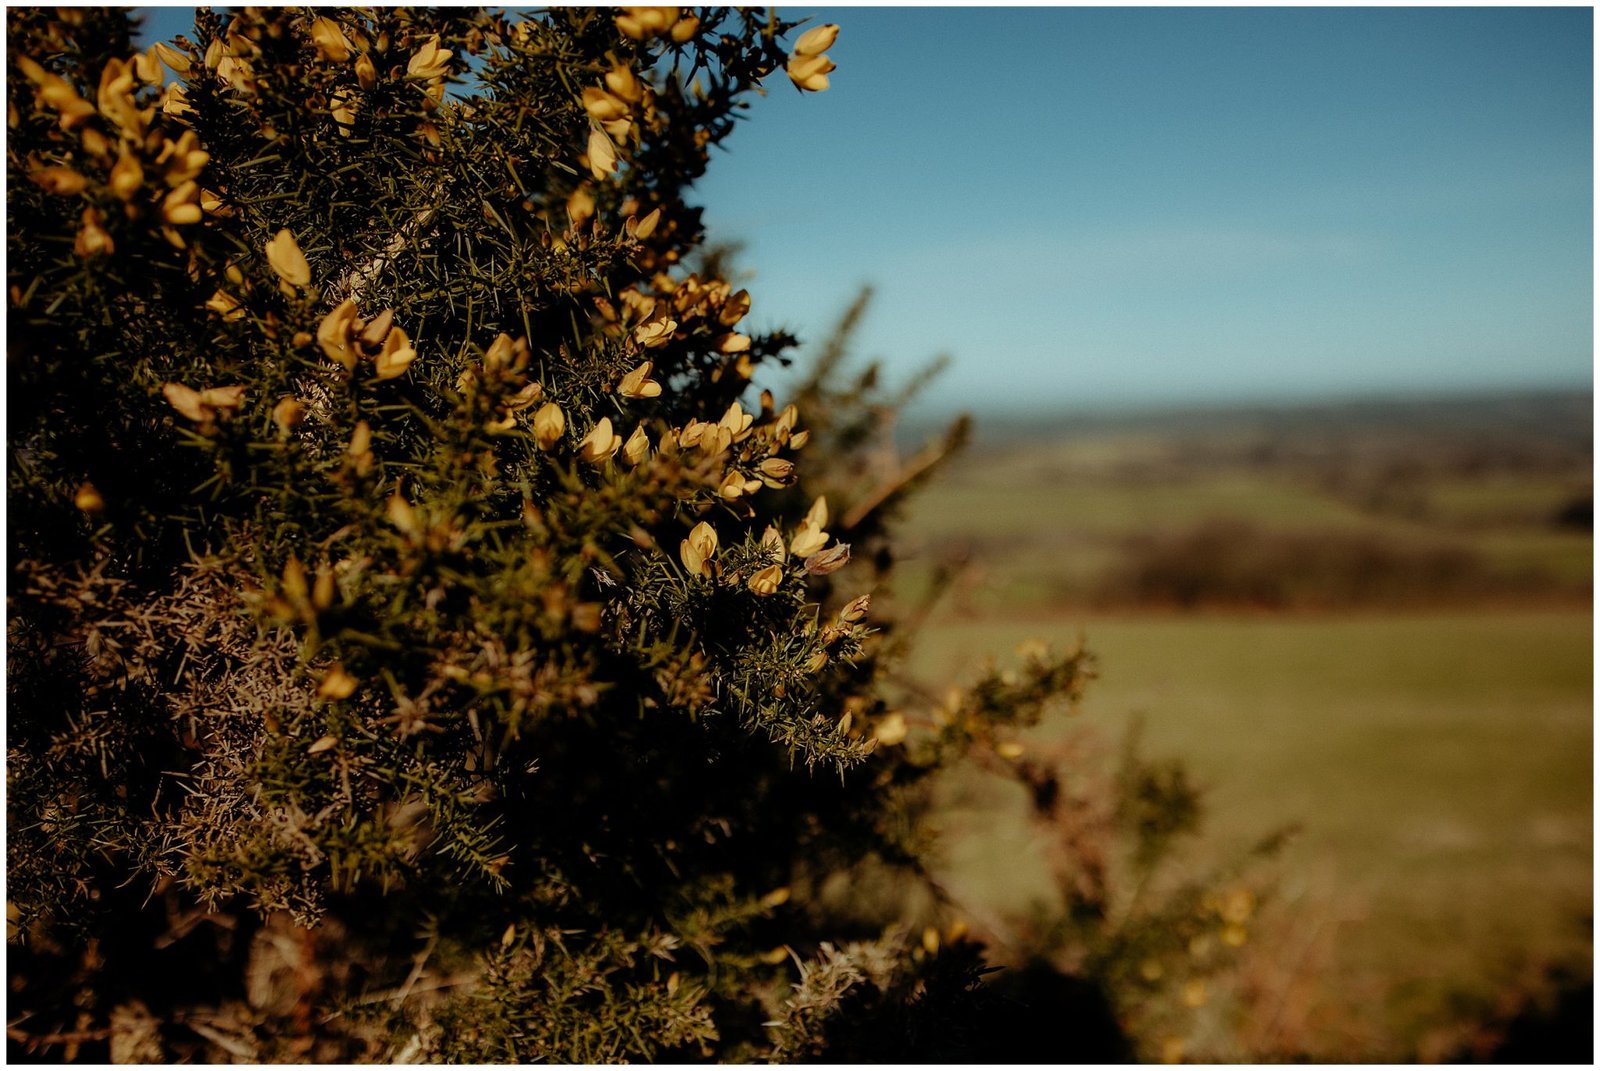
(549, 424)
(808, 68)
(697, 551)
(810, 538)
(330, 40)
(637, 447)
(766, 581)
(655, 333)
(810, 73)
(283, 253)
(602, 155)
(600, 444)
(817, 40)
(395, 356)
(638, 384)
(430, 61)
(203, 406)
(640, 23)
(335, 333)
(178, 61)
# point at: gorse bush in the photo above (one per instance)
(425, 642)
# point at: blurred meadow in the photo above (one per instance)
(1369, 622)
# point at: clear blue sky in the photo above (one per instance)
(1151, 205)
(1089, 206)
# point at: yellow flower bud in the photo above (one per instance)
(766, 581)
(283, 253)
(622, 82)
(524, 397)
(430, 61)
(776, 472)
(222, 399)
(602, 106)
(185, 400)
(602, 155)
(736, 420)
(772, 542)
(655, 333)
(549, 424)
(360, 449)
(734, 309)
(378, 329)
(647, 226)
(366, 73)
(402, 515)
(855, 610)
(178, 61)
(642, 22)
(697, 551)
(810, 73)
(225, 305)
(601, 442)
(637, 446)
(807, 542)
(396, 355)
(179, 206)
(88, 498)
(334, 334)
(817, 40)
(342, 108)
(1009, 750)
(175, 102)
(638, 384)
(330, 40)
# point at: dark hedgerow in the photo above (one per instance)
(423, 642)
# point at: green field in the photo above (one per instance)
(1438, 754)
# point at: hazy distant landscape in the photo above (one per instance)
(1369, 619)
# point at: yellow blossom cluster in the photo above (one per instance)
(204, 407)
(611, 106)
(229, 58)
(643, 23)
(117, 135)
(808, 65)
(346, 338)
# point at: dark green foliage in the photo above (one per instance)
(360, 707)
